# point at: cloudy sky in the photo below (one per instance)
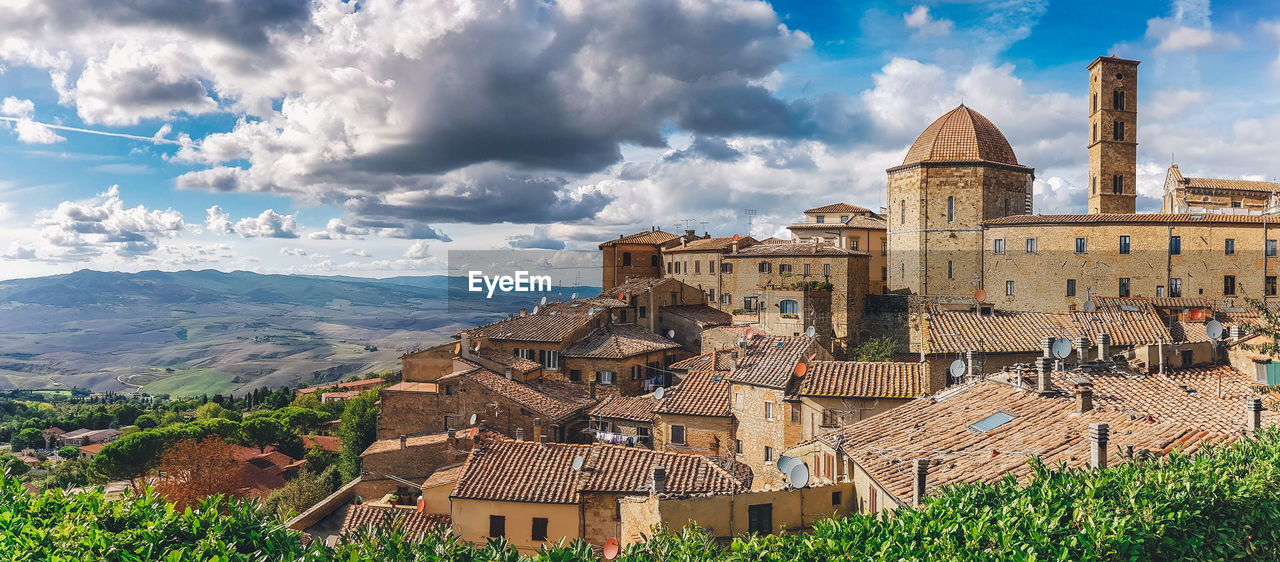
(372, 137)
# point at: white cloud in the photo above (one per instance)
(15, 107)
(1189, 29)
(336, 229)
(417, 251)
(18, 251)
(268, 224)
(293, 252)
(356, 252)
(31, 132)
(78, 230)
(924, 25)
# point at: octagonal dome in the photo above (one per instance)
(962, 135)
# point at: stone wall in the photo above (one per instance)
(704, 435)
(756, 431)
(642, 263)
(429, 364)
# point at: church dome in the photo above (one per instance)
(962, 135)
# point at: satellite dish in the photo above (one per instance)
(798, 475)
(610, 549)
(980, 295)
(1062, 348)
(535, 310)
(573, 296)
(1197, 315)
(622, 297)
(422, 504)
(742, 342)
(1213, 329)
(785, 463)
(1090, 306)
(735, 237)
(473, 419)
(671, 334)
(544, 301)
(577, 462)
(457, 348)
(956, 369)
(810, 331)
(801, 368)
(659, 393)
(750, 333)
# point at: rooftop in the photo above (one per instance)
(525, 471)
(410, 521)
(700, 393)
(1215, 184)
(655, 237)
(700, 314)
(771, 360)
(511, 360)
(617, 341)
(555, 400)
(856, 221)
(838, 208)
(851, 379)
(794, 248)
(1131, 218)
(552, 323)
(961, 135)
(631, 408)
(718, 244)
(953, 331)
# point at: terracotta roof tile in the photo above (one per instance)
(718, 244)
(853, 222)
(617, 341)
(636, 286)
(447, 476)
(512, 360)
(410, 521)
(1024, 332)
(850, 379)
(793, 248)
(838, 208)
(771, 360)
(698, 394)
(655, 237)
(555, 405)
(704, 362)
(633, 408)
(531, 472)
(552, 323)
(700, 314)
(1130, 218)
(961, 135)
(1229, 184)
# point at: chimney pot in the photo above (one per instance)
(1048, 347)
(1082, 349)
(659, 480)
(1044, 375)
(519, 434)
(733, 360)
(1104, 342)
(968, 355)
(1084, 398)
(1098, 435)
(921, 481)
(404, 441)
(1253, 407)
(591, 387)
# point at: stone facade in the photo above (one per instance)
(429, 364)
(763, 416)
(630, 373)
(451, 404)
(704, 435)
(1113, 135)
(623, 261)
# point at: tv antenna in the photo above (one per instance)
(750, 214)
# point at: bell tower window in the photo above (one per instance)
(1117, 184)
(1117, 99)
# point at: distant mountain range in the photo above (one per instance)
(194, 332)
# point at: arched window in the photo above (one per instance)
(1118, 130)
(1117, 184)
(788, 307)
(951, 209)
(1117, 99)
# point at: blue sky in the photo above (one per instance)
(310, 137)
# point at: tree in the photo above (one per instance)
(69, 452)
(262, 431)
(129, 456)
(358, 430)
(192, 470)
(127, 414)
(146, 421)
(876, 349)
(211, 410)
(29, 438)
(302, 492)
(1267, 328)
(12, 465)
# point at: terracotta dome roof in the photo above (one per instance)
(962, 135)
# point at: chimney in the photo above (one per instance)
(591, 387)
(733, 360)
(1235, 334)
(690, 233)
(968, 356)
(659, 480)
(1098, 444)
(735, 245)
(1044, 376)
(465, 346)
(1047, 345)
(922, 479)
(537, 430)
(1082, 349)
(519, 434)
(1253, 409)
(1104, 342)
(1084, 398)
(524, 312)
(404, 441)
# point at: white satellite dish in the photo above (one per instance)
(1061, 348)
(786, 463)
(957, 368)
(544, 301)
(577, 462)
(1090, 306)
(659, 393)
(798, 475)
(535, 310)
(671, 334)
(810, 331)
(1213, 329)
(573, 296)
(473, 419)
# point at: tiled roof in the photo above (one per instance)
(771, 360)
(856, 221)
(552, 323)
(634, 408)
(617, 341)
(92, 449)
(525, 471)
(656, 237)
(1149, 413)
(793, 248)
(961, 135)
(357, 386)
(447, 476)
(512, 360)
(704, 362)
(721, 244)
(635, 286)
(698, 394)
(410, 521)
(555, 405)
(774, 240)
(700, 314)
(1023, 332)
(51, 431)
(326, 442)
(1227, 184)
(838, 208)
(1130, 218)
(850, 379)
(1180, 302)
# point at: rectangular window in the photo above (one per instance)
(1228, 285)
(711, 267)
(1008, 288)
(575, 375)
(821, 219)
(884, 274)
(677, 434)
(1237, 204)
(697, 267)
(997, 246)
(853, 243)
(1117, 184)
(1082, 245)
(677, 268)
(644, 311)
(726, 298)
(784, 268)
(497, 526)
(768, 453)
(806, 270)
(626, 259)
(1230, 246)
(951, 209)
(1175, 245)
(539, 528)
(1124, 244)
(1271, 248)
(768, 410)
(1071, 287)
(1031, 245)
(1159, 290)
(668, 268)
(836, 498)
(637, 372)
(1270, 284)
(737, 446)
(1124, 287)
(1117, 130)
(606, 377)
(760, 519)
(726, 267)
(737, 401)
(951, 269)
(795, 413)
(826, 270)
(1175, 288)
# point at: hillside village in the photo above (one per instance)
(713, 379)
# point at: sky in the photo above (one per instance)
(371, 138)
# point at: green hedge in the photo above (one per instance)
(1222, 504)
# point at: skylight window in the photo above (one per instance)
(1130, 308)
(991, 422)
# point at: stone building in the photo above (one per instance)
(1215, 195)
(624, 420)
(1113, 136)
(853, 228)
(958, 173)
(700, 263)
(624, 359)
(693, 417)
(635, 255)
(834, 394)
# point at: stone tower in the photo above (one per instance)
(959, 172)
(1113, 135)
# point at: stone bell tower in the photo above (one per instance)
(1113, 135)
